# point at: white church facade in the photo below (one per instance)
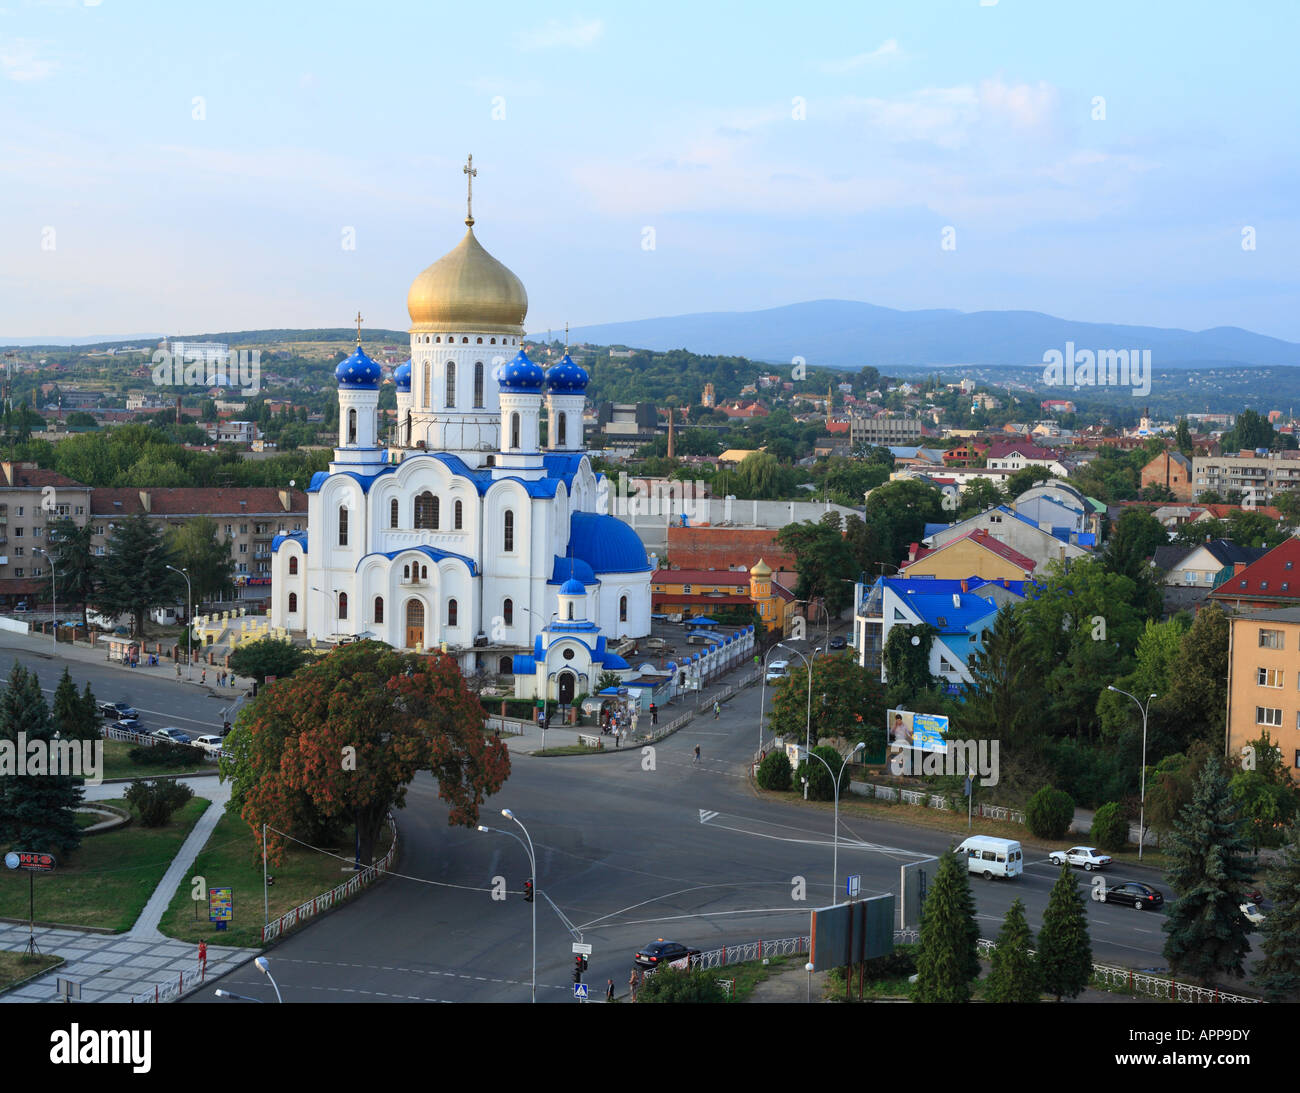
(461, 531)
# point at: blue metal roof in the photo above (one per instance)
(299, 537)
(563, 465)
(430, 552)
(520, 374)
(572, 587)
(564, 568)
(402, 375)
(358, 371)
(567, 377)
(367, 480)
(607, 544)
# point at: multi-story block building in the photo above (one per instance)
(31, 500)
(884, 431)
(1264, 683)
(1257, 475)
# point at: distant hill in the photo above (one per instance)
(848, 334)
(230, 337)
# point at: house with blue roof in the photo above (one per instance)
(462, 530)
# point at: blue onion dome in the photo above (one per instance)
(402, 376)
(358, 370)
(566, 377)
(520, 374)
(573, 587)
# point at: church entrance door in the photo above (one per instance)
(414, 623)
(566, 688)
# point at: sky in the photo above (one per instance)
(183, 168)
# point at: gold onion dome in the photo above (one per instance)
(762, 569)
(467, 289)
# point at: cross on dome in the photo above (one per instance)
(470, 172)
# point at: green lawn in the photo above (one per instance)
(118, 764)
(15, 967)
(571, 749)
(748, 976)
(233, 859)
(108, 880)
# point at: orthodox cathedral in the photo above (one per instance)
(464, 532)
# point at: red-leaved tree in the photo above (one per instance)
(337, 744)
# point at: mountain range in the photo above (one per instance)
(849, 334)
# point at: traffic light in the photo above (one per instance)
(528, 891)
(578, 966)
(583, 960)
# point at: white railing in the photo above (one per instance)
(925, 799)
(326, 900)
(174, 988)
(744, 952)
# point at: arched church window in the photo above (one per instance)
(426, 512)
(478, 382)
(451, 384)
(464, 341)
(379, 609)
(560, 432)
(424, 572)
(392, 512)
(514, 432)
(491, 461)
(480, 341)
(343, 605)
(622, 609)
(343, 525)
(508, 530)
(493, 341)
(406, 572)
(293, 603)
(508, 612)
(352, 426)
(570, 612)
(438, 339)
(457, 514)
(451, 612)
(293, 567)
(428, 372)
(408, 431)
(505, 666)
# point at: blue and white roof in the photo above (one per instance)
(402, 375)
(358, 371)
(567, 377)
(520, 374)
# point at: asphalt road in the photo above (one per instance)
(630, 847)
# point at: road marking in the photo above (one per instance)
(706, 816)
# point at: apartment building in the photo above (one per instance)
(1258, 475)
(884, 431)
(30, 500)
(1264, 683)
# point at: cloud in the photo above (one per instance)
(19, 61)
(887, 50)
(577, 33)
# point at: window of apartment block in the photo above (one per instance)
(1268, 677)
(18, 572)
(1266, 715)
(243, 548)
(1271, 639)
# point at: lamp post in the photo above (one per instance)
(835, 873)
(1142, 807)
(54, 602)
(532, 864)
(762, 695)
(807, 663)
(336, 611)
(264, 966)
(189, 622)
(546, 685)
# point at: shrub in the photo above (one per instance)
(774, 771)
(156, 801)
(897, 965)
(1049, 813)
(165, 755)
(820, 786)
(678, 985)
(1110, 827)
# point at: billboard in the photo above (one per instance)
(922, 731)
(850, 933)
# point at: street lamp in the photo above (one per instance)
(189, 622)
(532, 864)
(336, 610)
(835, 875)
(807, 663)
(232, 995)
(264, 966)
(546, 685)
(1142, 808)
(762, 695)
(54, 602)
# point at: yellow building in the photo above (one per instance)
(1264, 683)
(978, 554)
(697, 593)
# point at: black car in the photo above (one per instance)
(837, 642)
(129, 724)
(664, 952)
(1141, 896)
(117, 710)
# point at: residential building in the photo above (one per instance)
(1270, 581)
(1264, 683)
(31, 499)
(1257, 476)
(1021, 533)
(976, 554)
(701, 593)
(884, 431)
(1170, 469)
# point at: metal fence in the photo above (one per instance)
(174, 988)
(744, 953)
(921, 798)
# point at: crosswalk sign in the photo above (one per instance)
(580, 991)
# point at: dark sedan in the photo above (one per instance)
(838, 642)
(1141, 896)
(661, 952)
(117, 710)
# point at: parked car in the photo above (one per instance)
(129, 724)
(117, 710)
(662, 952)
(210, 744)
(175, 735)
(838, 642)
(1141, 896)
(1087, 856)
(21, 605)
(1253, 914)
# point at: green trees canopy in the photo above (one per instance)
(134, 578)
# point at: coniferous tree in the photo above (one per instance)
(35, 807)
(1014, 976)
(1064, 948)
(1278, 974)
(947, 960)
(1210, 869)
(76, 716)
(134, 577)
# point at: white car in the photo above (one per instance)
(210, 744)
(777, 671)
(1088, 856)
(1253, 914)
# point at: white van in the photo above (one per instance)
(777, 670)
(992, 857)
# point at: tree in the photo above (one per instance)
(342, 739)
(1064, 948)
(1014, 975)
(1025, 479)
(197, 549)
(76, 716)
(899, 511)
(134, 578)
(1265, 796)
(156, 801)
(607, 680)
(823, 561)
(1049, 813)
(669, 984)
(267, 657)
(75, 565)
(906, 657)
(1249, 431)
(36, 811)
(947, 960)
(1278, 974)
(774, 771)
(1209, 869)
(1109, 827)
(821, 787)
(847, 701)
(1183, 438)
(998, 701)
(1133, 541)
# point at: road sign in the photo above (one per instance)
(580, 991)
(855, 885)
(581, 949)
(67, 989)
(30, 859)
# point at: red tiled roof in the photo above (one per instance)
(1263, 580)
(1222, 512)
(981, 537)
(196, 501)
(35, 477)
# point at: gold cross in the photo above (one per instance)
(358, 328)
(566, 337)
(470, 171)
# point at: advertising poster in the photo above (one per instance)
(922, 731)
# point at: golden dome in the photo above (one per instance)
(467, 289)
(762, 569)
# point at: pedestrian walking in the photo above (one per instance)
(654, 714)
(203, 676)
(178, 669)
(609, 990)
(696, 760)
(717, 709)
(631, 984)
